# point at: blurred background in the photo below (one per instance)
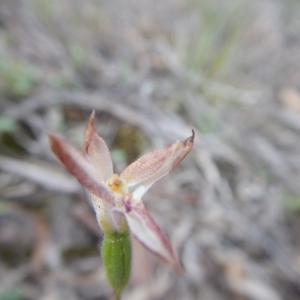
(153, 70)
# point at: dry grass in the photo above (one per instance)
(152, 71)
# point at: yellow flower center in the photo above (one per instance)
(117, 184)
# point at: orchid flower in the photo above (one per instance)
(117, 198)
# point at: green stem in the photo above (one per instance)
(116, 255)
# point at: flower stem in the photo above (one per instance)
(116, 255)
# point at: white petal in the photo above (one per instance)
(146, 231)
(141, 174)
(139, 192)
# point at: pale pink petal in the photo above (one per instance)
(151, 167)
(97, 151)
(146, 231)
(76, 164)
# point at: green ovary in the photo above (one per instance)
(116, 255)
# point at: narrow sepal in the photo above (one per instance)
(147, 232)
(76, 164)
(151, 167)
(96, 151)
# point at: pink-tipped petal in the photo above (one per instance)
(97, 151)
(76, 164)
(147, 232)
(151, 167)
